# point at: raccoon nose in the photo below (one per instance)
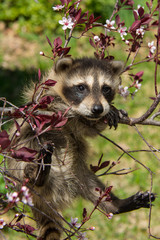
(97, 109)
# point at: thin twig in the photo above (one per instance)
(122, 149)
(149, 146)
(157, 51)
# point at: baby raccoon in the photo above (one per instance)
(88, 86)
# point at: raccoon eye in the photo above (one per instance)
(81, 87)
(106, 89)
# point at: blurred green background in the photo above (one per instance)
(23, 29)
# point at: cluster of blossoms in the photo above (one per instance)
(67, 22)
(2, 223)
(152, 48)
(110, 26)
(74, 223)
(82, 235)
(26, 198)
(124, 91)
(13, 197)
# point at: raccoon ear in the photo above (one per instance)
(118, 67)
(63, 64)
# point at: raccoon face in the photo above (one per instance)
(88, 85)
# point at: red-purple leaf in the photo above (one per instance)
(155, 23)
(24, 153)
(63, 2)
(146, 19)
(50, 82)
(49, 42)
(139, 75)
(108, 190)
(141, 11)
(61, 123)
(44, 101)
(63, 51)
(41, 120)
(82, 19)
(104, 164)
(135, 25)
(129, 3)
(78, 15)
(153, 98)
(4, 139)
(135, 15)
(84, 213)
(117, 20)
(17, 126)
(94, 168)
(57, 42)
(99, 162)
(68, 1)
(97, 18)
(20, 217)
(58, 120)
(148, 5)
(92, 43)
(27, 228)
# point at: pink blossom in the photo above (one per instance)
(109, 24)
(2, 223)
(41, 53)
(24, 188)
(151, 46)
(110, 215)
(127, 42)
(26, 199)
(58, 7)
(96, 39)
(123, 91)
(78, 2)
(138, 85)
(140, 31)
(74, 222)
(13, 197)
(92, 228)
(122, 31)
(82, 236)
(66, 22)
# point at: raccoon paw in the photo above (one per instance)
(112, 118)
(38, 173)
(30, 172)
(45, 164)
(142, 199)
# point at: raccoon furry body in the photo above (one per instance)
(87, 86)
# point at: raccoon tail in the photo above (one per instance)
(49, 231)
